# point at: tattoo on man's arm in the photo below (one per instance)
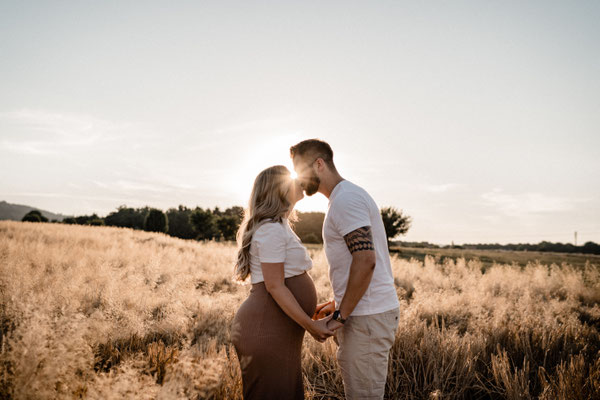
(360, 239)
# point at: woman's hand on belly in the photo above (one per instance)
(273, 274)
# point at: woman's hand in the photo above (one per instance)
(324, 309)
(319, 330)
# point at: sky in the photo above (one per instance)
(480, 120)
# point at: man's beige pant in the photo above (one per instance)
(364, 347)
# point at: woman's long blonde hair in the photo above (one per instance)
(268, 200)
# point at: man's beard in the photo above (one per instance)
(312, 186)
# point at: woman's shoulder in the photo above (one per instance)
(269, 227)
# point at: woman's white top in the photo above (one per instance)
(275, 242)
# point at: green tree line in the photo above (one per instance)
(586, 248)
(544, 246)
(213, 224)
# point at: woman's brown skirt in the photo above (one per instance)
(269, 343)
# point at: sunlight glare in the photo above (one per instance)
(257, 157)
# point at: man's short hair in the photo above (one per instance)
(312, 149)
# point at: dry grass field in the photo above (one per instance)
(491, 257)
(109, 313)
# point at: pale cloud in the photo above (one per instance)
(157, 185)
(62, 195)
(38, 132)
(441, 188)
(516, 205)
(26, 147)
(246, 134)
(139, 186)
(102, 185)
(183, 186)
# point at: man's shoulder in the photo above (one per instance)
(349, 193)
(350, 209)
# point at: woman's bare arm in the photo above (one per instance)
(275, 285)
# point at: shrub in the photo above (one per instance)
(204, 222)
(395, 222)
(34, 216)
(156, 221)
(311, 238)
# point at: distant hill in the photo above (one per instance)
(16, 212)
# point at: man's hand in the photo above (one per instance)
(319, 329)
(324, 309)
(334, 325)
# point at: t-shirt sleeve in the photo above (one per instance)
(351, 213)
(271, 242)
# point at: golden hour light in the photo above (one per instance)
(255, 200)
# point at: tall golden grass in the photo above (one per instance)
(109, 313)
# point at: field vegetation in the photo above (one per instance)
(111, 313)
(491, 257)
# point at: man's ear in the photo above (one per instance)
(320, 164)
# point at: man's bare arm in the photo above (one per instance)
(360, 245)
(359, 239)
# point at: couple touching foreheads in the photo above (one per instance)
(269, 326)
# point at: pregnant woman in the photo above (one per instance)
(269, 326)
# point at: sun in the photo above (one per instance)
(256, 158)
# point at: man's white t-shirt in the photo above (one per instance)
(350, 208)
(275, 242)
